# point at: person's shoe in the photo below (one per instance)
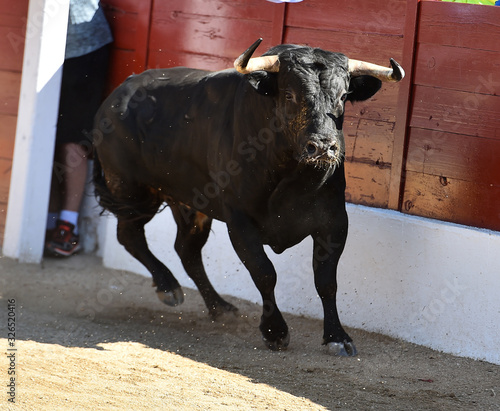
(63, 242)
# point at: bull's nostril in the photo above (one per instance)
(311, 149)
(333, 148)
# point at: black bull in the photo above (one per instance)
(260, 148)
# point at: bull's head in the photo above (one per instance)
(310, 87)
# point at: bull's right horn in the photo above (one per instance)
(393, 73)
(245, 64)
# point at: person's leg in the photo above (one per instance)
(82, 86)
(74, 160)
(71, 175)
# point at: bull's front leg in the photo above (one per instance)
(327, 251)
(246, 241)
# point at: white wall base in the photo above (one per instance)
(424, 281)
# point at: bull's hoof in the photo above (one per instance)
(341, 349)
(280, 344)
(172, 298)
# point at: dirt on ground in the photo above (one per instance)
(87, 337)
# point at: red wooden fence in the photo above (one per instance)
(452, 166)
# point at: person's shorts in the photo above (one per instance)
(82, 90)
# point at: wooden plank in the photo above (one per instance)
(456, 112)
(454, 156)
(207, 35)
(368, 156)
(367, 184)
(403, 106)
(11, 48)
(452, 171)
(7, 135)
(460, 25)
(381, 107)
(124, 27)
(130, 26)
(13, 21)
(463, 202)
(457, 68)
(358, 16)
(237, 9)
(167, 58)
(121, 66)
(13, 18)
(202, 35)
(17, 9)
(123, 6)
(278, 23)
(376, 48)
(143, 31)
(10, 85)
(369, 142)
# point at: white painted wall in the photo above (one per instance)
(424, 281)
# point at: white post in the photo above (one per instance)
(35, 132)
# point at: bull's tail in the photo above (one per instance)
(101, 191)
(122, 208)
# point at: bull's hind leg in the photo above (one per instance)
(130, 233)
(193, 229)
(131, 236)
(134, 206)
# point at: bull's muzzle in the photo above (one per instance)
(323, 153)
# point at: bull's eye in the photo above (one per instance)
(343, 97)
(289, 95)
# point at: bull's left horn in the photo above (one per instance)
(245, 64)
(393, 73)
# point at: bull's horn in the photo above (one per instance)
(244, 64)
(393, 73)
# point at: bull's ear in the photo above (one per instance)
(263, 82)
(362, 88)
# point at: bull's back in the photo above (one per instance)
(167, 127)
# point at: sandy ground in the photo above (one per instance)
(93, 338)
